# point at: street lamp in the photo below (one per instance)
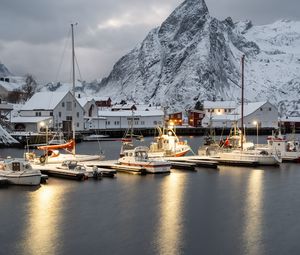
(256, 123)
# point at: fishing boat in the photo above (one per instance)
(288, 148)
(167, 144)
(19, 172)
(138, 157)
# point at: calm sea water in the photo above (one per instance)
(232, 210)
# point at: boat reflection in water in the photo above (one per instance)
(42, 235)
(169, 236)
(253, 211)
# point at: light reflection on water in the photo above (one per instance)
(253, 229)
(170, 227)
(42, 234)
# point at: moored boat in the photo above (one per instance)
(167, 144)
(138, 157)
(288, 148)
(20, 172)
(52, 154)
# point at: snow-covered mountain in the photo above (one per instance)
(193, 56)
(4, 71)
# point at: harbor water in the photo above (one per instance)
(229, 210)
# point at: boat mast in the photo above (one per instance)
(242, 106)
(73, 87)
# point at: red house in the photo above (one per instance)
(195, 118)
(175, 118)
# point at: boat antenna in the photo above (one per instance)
(242, 106)
(73, 83)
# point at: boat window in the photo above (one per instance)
(264, 152)
(130, 154)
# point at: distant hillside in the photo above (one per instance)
(4, 71)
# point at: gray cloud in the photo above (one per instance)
(33, 32)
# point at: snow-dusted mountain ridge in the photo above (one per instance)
(193, 56)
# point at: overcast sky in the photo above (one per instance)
(34, 33)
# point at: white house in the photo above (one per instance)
(263, 114)
(218, 107)
(123, 119)
(89, 106)
(58, 105)
(31, 124)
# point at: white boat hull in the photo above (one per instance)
(260, 159)
(64, 157)
(22, 178)
(150, 168)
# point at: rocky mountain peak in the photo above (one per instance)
(189, 16)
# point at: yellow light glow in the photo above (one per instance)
(170, 232)
(255, 122)
(42, 230)
(252, 233)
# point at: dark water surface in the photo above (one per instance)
(233, 210)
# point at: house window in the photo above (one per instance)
(77, 124)
(142, 122)
(178, 115)
(229, 110)
(270, 109)
(117, 123)
(69, 118)
(136, 123)
(77, 114)
(69, 106)
(107, 122)
(212, 110)
(261, 109)
(36, 114)
(59, 114)
(225, 110)
(63, 104)
(219, 110)
(155, 122)
(51, 113)
(208, 110)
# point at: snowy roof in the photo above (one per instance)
(101, 98)
(129, 113)
(10, 86)
(44, 100)
(28, 119)
(219, 104)
(84, 100)
(121, 106)
(249, 108)
(290, 119)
